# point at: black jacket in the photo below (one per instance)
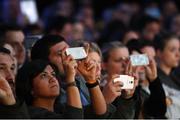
(18, 110)
(153, 105)
(70, 112)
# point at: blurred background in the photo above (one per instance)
(94, 20)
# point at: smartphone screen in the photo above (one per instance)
(139, 60)
(76, 52)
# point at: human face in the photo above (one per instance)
(45, 84)
(170, 55)
(115, 63)
(55, 55)
(97, 59)
(67, 31)
(16, 40)
(11, 49)
(7, 67)
(151, 30)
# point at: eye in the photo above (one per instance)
(53, 74)
(13, 68)
(2, 67)
(44, 75)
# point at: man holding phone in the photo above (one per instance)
(50, 47)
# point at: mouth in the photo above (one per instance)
(52, 86)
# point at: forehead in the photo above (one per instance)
(173, 42)
(119, 52)
(6, 59)
(94, 55)
(48, 69)
(15, 36)
(59, 46)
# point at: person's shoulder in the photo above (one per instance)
(37, 112)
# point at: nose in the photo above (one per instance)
(51, 78)
(178, 54)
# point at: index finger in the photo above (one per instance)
(63, 53)
(87, 47)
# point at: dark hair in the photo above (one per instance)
(25, 76)
(132, 45)
(108, 47)
(12, 27)
(41, 49)
(144, 43)
(4, 50)
(57, 23)
(161, 40)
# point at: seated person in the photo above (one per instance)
(10, 106)
(40, 88)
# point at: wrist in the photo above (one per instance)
(70, 84)
(90, 80)
(70, 79)
(92, 84)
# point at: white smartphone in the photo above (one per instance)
(139, 60)
(76, 52)
(128, 81)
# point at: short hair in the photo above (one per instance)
(13, 27)
(24, 79)
(108, 47)
(132, 45)
(41, 49)
(161, 40)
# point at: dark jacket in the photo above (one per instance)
(88, 110)
(18, 110)
(153, 105)
(126, 108)
(69, 112)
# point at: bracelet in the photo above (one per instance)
(92, 85)
(70, 84)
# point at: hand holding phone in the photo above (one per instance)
(76, 52)
(128, 81)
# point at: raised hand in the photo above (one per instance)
(88, 70)
(151, 70)
(70, 66)
(6, 94)
(131, 71)
(112, 90)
